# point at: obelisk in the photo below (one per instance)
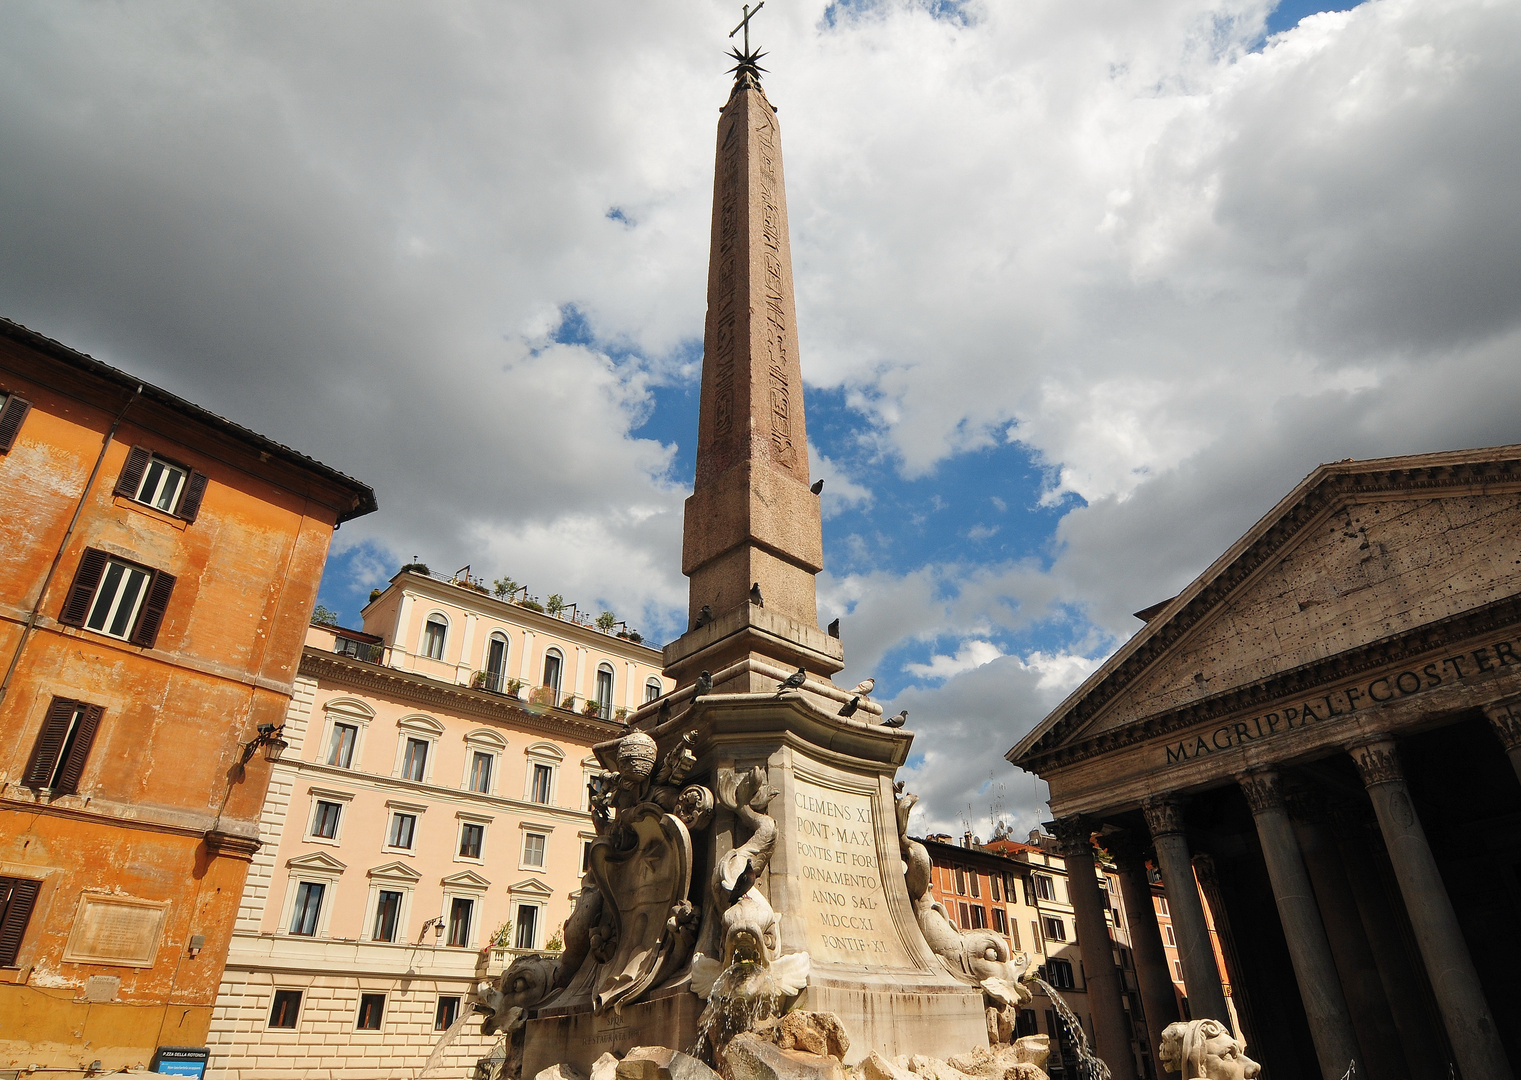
(752, 541)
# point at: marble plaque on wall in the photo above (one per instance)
(834, 849)
(116, 930)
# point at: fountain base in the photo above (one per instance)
(578, 1036)
(935, 1020)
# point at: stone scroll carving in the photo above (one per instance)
(975, 957)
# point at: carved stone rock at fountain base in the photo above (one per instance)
(753, 1057)
(560, 1072)
(1024, 1060)
(877, 1067)
(817, 1033)
(662, 1063)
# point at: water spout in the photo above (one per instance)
(743, 995)
(448, 1037)
(1089, 1065)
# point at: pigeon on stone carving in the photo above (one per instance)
(850, 707)
(704, 616)
(793, 681)
(704, 685)
(818, 486)
(755, 595)
(834, 629)
(896, 721)
(865, 686)
(665, 711)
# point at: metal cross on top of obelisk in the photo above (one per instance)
(744, 24)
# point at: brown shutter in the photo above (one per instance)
(17, 895)
(10, 421)
(73, 769)
(153, 609)
(190, 502)
(49, 742)
(91, 565)
(131, 477)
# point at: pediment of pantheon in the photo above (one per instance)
(1362, 559)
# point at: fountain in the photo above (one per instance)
(752, 889)
(1089, 1065)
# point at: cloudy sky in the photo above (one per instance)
(1084, 286)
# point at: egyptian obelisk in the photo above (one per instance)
(752, 541)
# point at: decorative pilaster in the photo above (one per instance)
(1158, 1000)
(1201, 975)
(1075, 835)
(1465, 1012)
(1325, 1006)
(1505, 718)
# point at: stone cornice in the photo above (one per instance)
(1320, 493)
(459, 700)
(1385, 652)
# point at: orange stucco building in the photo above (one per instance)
(161, 567)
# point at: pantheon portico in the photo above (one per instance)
(1323, 730)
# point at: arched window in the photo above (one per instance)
(434, 632)
(605, 690)
(554, 663)
(652, 689)
(496, 662)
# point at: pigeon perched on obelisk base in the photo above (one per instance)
(755, 595)
(793, 681)
(818, 486)
(704, 685)
(896, 721)
(850, 707)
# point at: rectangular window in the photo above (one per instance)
(527, 927)
(1059, 974)
(960, 881)
(1014, 933)
(1177, 970)
(414, 763)
(154, 481)
(496, 664)
(387, 915)
(966, 916)
(1045, 888)
(651, 691)
(286, 1008)
(63, 745)
(1169, 936)
(114, 597)
(1029, 896)
(303, 920)
(1162, 905)
(461, 911)
(1056, 929)
(533, 849)
(972, 877)
(585, 856)
(371, 1008)
(403, 830)
(542, 775)
(1000, 921)
(340, 748)
(161, 484)
(604, 693)
(480, 772)
(325, 819)
(446, 1013)
(979, 917)
(17, 898)
(552, 674)
(471, 837)
(993, 887)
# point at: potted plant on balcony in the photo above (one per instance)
(513, 686)
(542, 695)
(606, 621)
(592, 708)
(478, 680)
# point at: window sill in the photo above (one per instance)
(399, 851)
(151, 512)
(468, 859)
(323, 840)
(531, 869)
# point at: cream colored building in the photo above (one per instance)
(426, 823)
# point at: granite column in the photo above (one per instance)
(1460, 998)
(1158, 998)
(1088, 906)
(1206, 998)
(1314, 967)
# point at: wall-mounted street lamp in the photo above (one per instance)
(269, 738)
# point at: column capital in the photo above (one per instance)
(1378, 762)
(1164, 815)
(1262, 789)
(1505, 718)
(1073, 834)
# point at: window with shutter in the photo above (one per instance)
(17, 898)
(58, 759)
(91, 566)
(195, 491)
(11, 414)
(131, 477)
(162, 484)
(121, 599)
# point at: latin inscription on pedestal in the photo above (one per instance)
(835, 850)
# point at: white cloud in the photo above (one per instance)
(971, 654)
